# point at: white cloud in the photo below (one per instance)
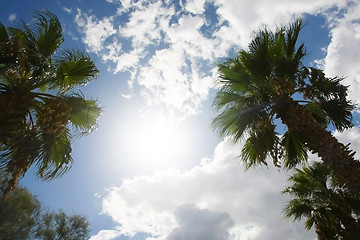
(12, 17)
(247, 204)
(155, 28)
(195, 6)
(68, 10)
(105, 235)
(178, 91)
(200, 224)
(343, 52)
(245, 18)
(217, 192)
(143, 25)
(351, 136)
(96, 31)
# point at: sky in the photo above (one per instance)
(154, 169)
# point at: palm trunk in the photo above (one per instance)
(320, 234)
(339, 157)
(351, 225)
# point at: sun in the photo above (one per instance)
(156, 140)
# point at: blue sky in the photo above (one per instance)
(154, 169)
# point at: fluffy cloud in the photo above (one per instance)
(200, 224)
(223, 199)
(162, 44)
(244, 205)
(95, 31)
(105, 235)
(343, 52)
(351, 136)
(194, 6)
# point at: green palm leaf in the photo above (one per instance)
(233, 73)
(317, 113)
(251, 84)
(295, 150)
(73, 69)
(318, 197)
(4, 37)
(22, 148)
(298, 208)
(55, 156)
(259, 144)
(331, 96)
(235, 121)
(84, 113)
(48, 33)
(28, 70)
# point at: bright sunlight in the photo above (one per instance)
(156, 141)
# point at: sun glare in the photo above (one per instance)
(156, 141)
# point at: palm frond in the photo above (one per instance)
(257, 60)
(292, 35)
(227, 99)
(55, 156)
(311, 181)
(74, 68)
(309, 223)
(319, 199)
(317, 113)
(298, 208)
(4, 36)
(295, 150)
(84, 113)
(331, 96)
(258, 146)
(234, 71)
(235, 120)
(6, 55)
(22, 145)
(48, 33)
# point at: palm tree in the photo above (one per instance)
(267, 88)
(320, 199)
(39, 111)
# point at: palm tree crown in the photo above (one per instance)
(268, 81)
(39, 111)
(318, 197)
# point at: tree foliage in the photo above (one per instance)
(323, 202)
(266, 88)
(20, 214)
(62, 227)
(24, 218)
(40, 111)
